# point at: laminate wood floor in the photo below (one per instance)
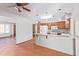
(9, 48)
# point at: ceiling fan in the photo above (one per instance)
(20, 6)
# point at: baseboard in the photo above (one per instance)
(6, 36)
(23, 41)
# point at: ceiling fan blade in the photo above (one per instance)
(26, 9)
(21, 4)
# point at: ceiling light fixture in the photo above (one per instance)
(46, 17)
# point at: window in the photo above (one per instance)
(4, 28)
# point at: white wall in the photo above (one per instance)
(24, 30)
(75, 18)
(77, 35)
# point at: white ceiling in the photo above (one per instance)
(36, 9)
(7, 4)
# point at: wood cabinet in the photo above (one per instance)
(58, 24)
